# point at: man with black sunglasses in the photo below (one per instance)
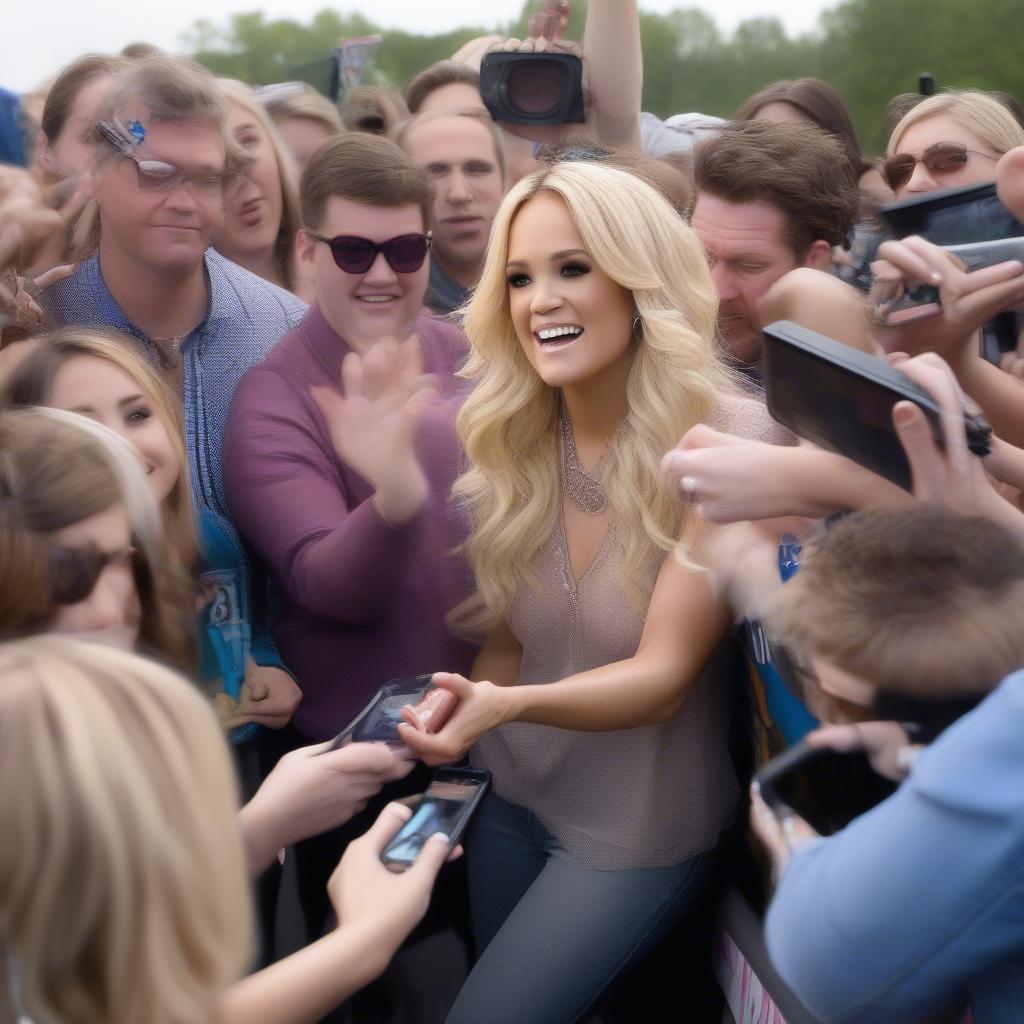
(348, 513)
(343, 492)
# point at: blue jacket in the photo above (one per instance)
(919, 904)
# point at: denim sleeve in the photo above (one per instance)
(901, 912)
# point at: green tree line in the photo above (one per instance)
(870, 50)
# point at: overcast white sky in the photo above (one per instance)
(40, 36)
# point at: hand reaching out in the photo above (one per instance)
(372, 422)
(481, 707)
(312, 790)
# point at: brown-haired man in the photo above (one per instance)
(344, 498)
(466, 162)
(341, 510)
(770, 198)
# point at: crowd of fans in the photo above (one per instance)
(297, 398)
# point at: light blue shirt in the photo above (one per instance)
(919, 904)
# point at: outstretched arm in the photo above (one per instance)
(685, 621)
(611, 47)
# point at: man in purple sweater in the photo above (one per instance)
(344, 497)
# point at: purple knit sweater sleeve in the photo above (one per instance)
(309, 517)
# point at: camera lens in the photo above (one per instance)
(537, 87)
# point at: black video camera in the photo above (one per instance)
(533, 88)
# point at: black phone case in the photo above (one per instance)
(841, 399)
(953, 216)
(827, 788)
(483, 778)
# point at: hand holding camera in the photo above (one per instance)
(967, 300)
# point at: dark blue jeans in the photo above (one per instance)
(551, 935)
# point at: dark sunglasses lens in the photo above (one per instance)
(945, 158)
(74, 572)
(898, 170)
(406, 253)
(353, 255)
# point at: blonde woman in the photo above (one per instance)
(946, 141)
(600, 704)
(123, 894)
(261, 216)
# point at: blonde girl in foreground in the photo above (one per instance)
(123, 893)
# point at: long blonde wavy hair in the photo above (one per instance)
(123, 884)
(509, 423)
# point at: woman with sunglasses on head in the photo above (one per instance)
(100, 375)
(947, 141)
(82, 551)
(82, 547)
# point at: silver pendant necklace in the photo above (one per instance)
(586, 489)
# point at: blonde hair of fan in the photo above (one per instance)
(123, 888)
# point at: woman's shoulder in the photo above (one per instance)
(748, 417)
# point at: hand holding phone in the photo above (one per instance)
(887, 745)
(843, 400)
(943, 468)
(445, 809)
(365, 894)
(428, 709)
(958, 300)
(828, 788)
(311, 791)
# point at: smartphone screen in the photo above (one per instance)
(378, 721)
(446, 807)
(827, 788)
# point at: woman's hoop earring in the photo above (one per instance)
(638, 327)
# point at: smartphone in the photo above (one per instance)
(827, 788)
(447, 805)
(923, 301)
(533, 88)
(955, 218)
(842, 399)
(378, 721)
(976, 255)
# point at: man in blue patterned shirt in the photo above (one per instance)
(164, 161)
